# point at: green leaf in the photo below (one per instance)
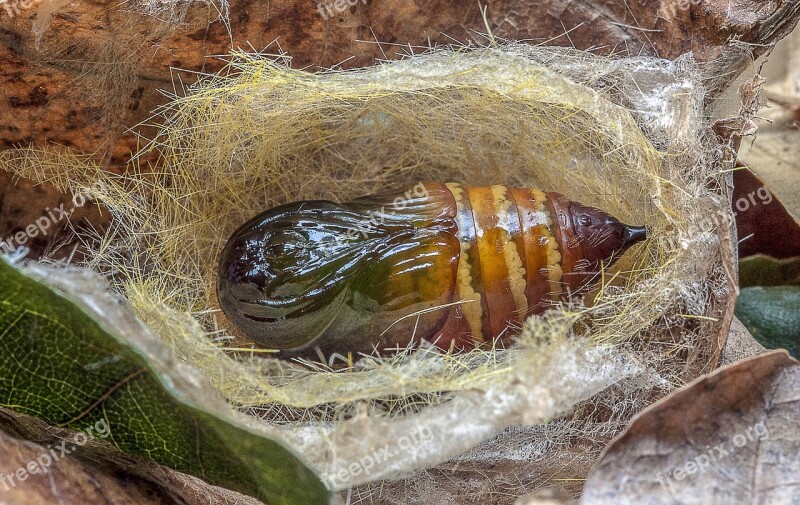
(70, 369)
(761, 270)
(772, 315)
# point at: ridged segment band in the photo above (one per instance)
(473, 306)
(508, 222)
(509, 262)
(553, 269)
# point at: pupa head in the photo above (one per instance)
(589, 240)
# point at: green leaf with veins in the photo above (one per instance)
(772, 315)
(62, 365)
(762, 270)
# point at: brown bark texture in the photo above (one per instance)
(80, 74)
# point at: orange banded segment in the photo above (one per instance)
(508, 220)
(468, 282)
(532, 244)
(490, 241)
(509, 255)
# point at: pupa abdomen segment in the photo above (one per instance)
(452, 264)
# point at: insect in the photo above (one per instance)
(459, 266)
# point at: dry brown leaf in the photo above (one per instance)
(767, 200)
(775, 156)
(740, 344)
(67, 480)
(23, 204)
(764, 223)
(79, 73)
(730, 437)
(91, 473)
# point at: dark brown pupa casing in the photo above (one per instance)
(452, 264)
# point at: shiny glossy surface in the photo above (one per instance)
(455, 265)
